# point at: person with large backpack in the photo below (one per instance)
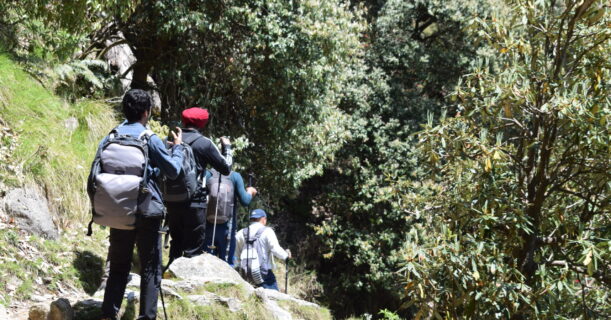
(257, 245)
(126, 198)
(187, 213)
(223, 193)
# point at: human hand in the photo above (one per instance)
(177, 137)
(290, 256)
(225, 141)
(252, 191)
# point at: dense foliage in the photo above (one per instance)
(417, 53)
(520, 209)
(449, 157)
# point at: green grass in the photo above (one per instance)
(49, 154)
(225, 290)
(252, 309)
(305, 312)
(36, 265)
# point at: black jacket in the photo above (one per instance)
(206, 153)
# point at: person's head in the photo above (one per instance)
(137, 105)
(195, 118)
(258, 215)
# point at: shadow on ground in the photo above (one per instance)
(90, 269)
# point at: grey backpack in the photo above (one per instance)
(221, 200)
(253, 260)
(117, 183)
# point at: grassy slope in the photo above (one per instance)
(51, 155)
(56, 159)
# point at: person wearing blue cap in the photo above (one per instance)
(262, 243)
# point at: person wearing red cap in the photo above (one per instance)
(187, 220)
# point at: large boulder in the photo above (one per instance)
(61, 310)
(272, 306)
(38, 312)
(30, 211)
(207, 268)
(88, 310)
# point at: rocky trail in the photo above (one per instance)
(204, 281)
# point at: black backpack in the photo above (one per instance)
(186, 184)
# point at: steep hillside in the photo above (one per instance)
(53, 140)
(47, 145)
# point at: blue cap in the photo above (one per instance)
(257, 213)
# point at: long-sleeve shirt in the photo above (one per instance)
(270, 243)
(238, 186)
(206, 153)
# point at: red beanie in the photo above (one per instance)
(195, 117)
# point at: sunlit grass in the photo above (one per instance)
(52, 156)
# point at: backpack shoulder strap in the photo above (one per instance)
(146, 134)
(259, 233)
(114, 132)
(255, 237)
(191, 141)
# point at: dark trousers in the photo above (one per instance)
(187, 229)
(220, 239)
(148, 241)
(269, 281)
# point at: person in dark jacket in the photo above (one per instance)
(228, 229)
(187, 220)
(137, 109)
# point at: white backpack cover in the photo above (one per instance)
(252, 257)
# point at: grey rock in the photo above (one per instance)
(209, 298)
(203, 299)
(279, 296)
(37, 312)
(71, 124)
(185, 285)
(134, 280)
(232, 304)
(61, 310)
(129, 310)
(88, 310)
(207, 268)
(3, 313)
(38, 298)
(167, 292)
(272, 306)
(30, 210)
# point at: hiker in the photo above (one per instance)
(124, 177)
(187, 219)
(221, 220)
(256, 256)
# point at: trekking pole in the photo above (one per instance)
(165, 231)
(248, 271)
(165, 314)
(286, 276)
(216, 211)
